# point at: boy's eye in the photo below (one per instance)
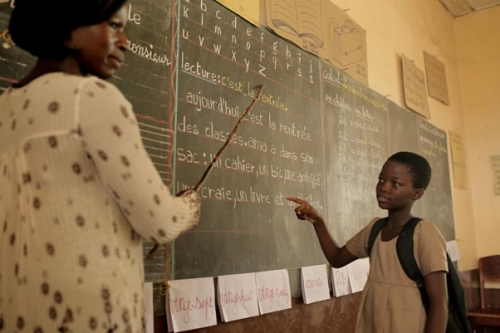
(395, 184)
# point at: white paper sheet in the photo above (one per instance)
(314, 282)
(452, 249)
(358, 274)
(191, 303)
(237, 296)
(148, 305)
(273, 291)
(340, 281)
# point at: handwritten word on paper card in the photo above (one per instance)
(340, 282)
(314, 282)
(191, 303)
(273, 291)
(358, 274)
(148, 306)
(237, 296)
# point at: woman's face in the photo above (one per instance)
(100, 48)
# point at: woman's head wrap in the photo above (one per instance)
(41, 27)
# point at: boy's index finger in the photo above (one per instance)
(295, 199)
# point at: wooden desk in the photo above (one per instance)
(484, 318)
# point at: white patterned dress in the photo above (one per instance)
(77, 193)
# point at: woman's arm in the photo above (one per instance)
(111, 137)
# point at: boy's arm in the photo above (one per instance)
(437, 294)
(336, 256)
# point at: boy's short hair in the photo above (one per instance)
(418, 166)
(42, 27)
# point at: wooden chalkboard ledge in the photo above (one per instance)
(333, 315)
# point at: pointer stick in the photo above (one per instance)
(217, 156)
(210, 167)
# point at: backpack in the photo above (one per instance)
(458, 321)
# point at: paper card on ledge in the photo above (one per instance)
(340, 282)
(452, 249)
(314, 282)
(148, 307)
(273, 291)
(237, 296)
(358, 274)
(191, 304)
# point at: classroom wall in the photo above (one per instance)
(469, 48)
(478, 56)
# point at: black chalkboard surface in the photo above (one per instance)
(192, 70)
(356, 145)
(14, 62)
(246, 223)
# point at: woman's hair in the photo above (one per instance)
(41, 27)
(418, 166)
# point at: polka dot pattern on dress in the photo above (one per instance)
(87, 195)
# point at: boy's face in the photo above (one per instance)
(394, 188)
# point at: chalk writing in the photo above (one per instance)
(11, 3)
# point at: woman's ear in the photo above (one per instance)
(418, 193)
(73, 42)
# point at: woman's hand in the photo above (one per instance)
(194, 199)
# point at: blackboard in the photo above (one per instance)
(14, 62)
(246, 223)
(192, 70)
(356, 145)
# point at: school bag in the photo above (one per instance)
(458, 321)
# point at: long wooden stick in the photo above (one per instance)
(228, 140)
(217, 156)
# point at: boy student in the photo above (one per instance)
(390, 301)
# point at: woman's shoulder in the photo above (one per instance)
(92, 88)
(99, 85)
(57, 81)
(72, 80)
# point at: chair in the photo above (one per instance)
(488, 315)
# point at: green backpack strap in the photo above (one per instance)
(377, 226)
(406, 256)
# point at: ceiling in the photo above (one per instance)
(463, 7)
